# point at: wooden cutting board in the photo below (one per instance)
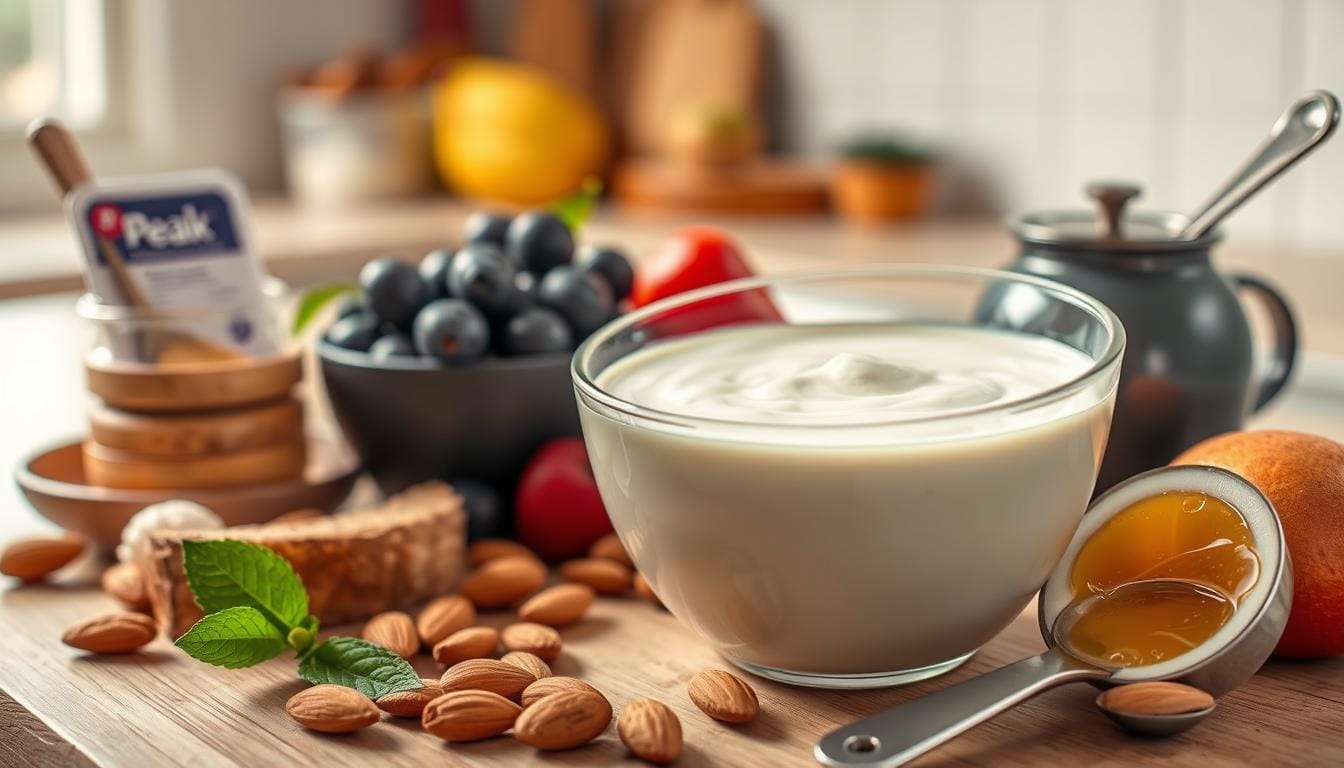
(685, 54)
(558, 36)
(762, 186)
(62, 708)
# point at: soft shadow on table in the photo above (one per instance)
(590, 627)
(139, 659)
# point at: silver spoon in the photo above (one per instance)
(903, 733)
(1307, 123)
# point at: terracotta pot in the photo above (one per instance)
(874, 193)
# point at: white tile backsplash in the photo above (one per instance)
(1034, 97)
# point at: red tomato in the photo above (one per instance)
(692, 258)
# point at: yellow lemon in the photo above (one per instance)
(513, 134)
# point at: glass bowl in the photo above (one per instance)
(869, 551)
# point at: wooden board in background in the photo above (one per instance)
(559, 37)
(762, 186)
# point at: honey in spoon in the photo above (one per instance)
(1168, 572)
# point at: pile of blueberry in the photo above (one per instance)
(516, 287)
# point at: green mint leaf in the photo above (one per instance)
(314, 299)
(575, 209)
(370, 669)
(233, 638)
(224, 574)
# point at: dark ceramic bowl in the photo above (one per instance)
(413, 420)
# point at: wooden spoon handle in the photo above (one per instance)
(59, 153)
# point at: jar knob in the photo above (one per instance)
(1111, 197)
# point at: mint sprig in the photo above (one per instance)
(313, 300)
(256, 607)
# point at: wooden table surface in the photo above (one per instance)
(61, 707)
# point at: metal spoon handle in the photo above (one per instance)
(1307, 123)
(902, 733)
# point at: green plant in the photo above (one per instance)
(575, 209)
(314, 299)
(256, 608)
(884, 149)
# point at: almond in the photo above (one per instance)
(645, 591)
(607, 577)
(486, 550)
(1155, 698)
(538, 639)
(563, 720)
(121, 632)
(332, 709)
(469, 643)
(125, 582)
(558, 606)
(548, 686)
(411, 703)
(469, 715)
(34, 559)
(724, 696)
(394, 631)
(650, 730)
(504, 581)
(442, 617)
(609, 547)
(490, 675)
(529, 662)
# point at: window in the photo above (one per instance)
(53, 61)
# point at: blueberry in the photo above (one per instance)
(479, 274)
(486, 227)
(434, 271)
(485, 514)
(451, 330)
(583, 300)
(393, 290)
(536, 331)
(392, 345)
(538, 241)
(357, 331)
(611, 265)
(526, 283)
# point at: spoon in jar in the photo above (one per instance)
(1305, 126)
(905, 732)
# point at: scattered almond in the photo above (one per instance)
(607, 577)
(120, 632)
(548, 686)
(1155, 698)
(504, 581)
(724, 696)
(332, 709)
(650, 730)
(563, 720)
(486, 550)
(529, 662)
(558, 606)
(411, 703)
(125, 582)
(538, 639)
(394, 631)
(469, 715)
(469, 643)
(609, 547)
(297, 516)
(442, 617)
(490, 675)
(643, 590)
(35, 558)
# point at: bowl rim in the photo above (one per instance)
(352, 358)
(588, 388)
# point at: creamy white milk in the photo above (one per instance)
(849, 499)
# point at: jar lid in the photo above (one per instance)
(1110, 227)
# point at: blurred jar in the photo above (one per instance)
(365, 146)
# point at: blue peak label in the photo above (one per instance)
(163, 228)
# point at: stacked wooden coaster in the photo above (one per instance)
(196, 425)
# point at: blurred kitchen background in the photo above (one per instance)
(998, 105)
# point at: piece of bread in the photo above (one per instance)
(354, 565)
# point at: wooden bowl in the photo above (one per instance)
(54, 483)
(192, 386)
